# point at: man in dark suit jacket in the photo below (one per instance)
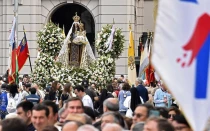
(143, 92)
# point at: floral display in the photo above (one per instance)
(73, 75)
(50, 39)
(103, 71)
(41, 72)
(117, 43)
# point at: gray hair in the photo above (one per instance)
(88, 119)
(61, 111)
(110, 113)
(138, 126)
(139, 80)
(115, 126)
(111, 106)
(87, 128)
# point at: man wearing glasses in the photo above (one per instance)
(141, 113)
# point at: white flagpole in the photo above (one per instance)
(16, 27)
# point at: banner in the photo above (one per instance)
(181, 55)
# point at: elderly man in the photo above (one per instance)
(71, 126)
(142, 90)
(112, 117)
(112, 127)
(111, 104)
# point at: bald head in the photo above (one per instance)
(70, 126)
(112, 127)
(111, 104)
(87, 128)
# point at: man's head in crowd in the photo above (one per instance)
(138, 81)
(33, 90)
(85, 83)
(14, 124)
(93, 85)
(24, 111)
(138, 127)
(62, 113)
(141, 113)
(87, 128)
(25, 78)
(20, 79)
(75, 105)
(172, 112)
(40, 115)
(79, 91)
(53, 114)
(112, 117)
(27, 87)
(157, 124)
(122, 77)
(71, 126)
(112, 127)
(50, 128)
(111, 104)
(180, 123)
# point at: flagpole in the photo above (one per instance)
(29, 57)
(16, 25)
(16, 39)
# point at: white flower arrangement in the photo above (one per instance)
(73, 75)
(50, 39)
(41, 72)
(117, 45)
(103, 71)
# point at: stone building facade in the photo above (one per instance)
(33, 14)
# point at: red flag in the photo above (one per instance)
(12, 70)
(22, 52)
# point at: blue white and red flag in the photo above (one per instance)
(181, 55)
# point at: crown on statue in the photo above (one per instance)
(81, 24)
(76, 18)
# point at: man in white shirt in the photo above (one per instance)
(86, 100)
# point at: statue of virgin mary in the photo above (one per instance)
(76, 50)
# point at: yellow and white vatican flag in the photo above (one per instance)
(131, 59)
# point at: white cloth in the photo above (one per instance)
(127, 103)
(24, 94)
(13, 102)
(87, 101)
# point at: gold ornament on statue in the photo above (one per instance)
(76, 18)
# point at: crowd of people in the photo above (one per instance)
(118, 107)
